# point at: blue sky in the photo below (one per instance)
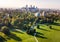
(39, 3)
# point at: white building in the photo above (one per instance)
(43, 13)
(37, 14)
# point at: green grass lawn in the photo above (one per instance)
(50, 35)
(45, 35)
(18, 36)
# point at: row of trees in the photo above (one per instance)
(50, 18)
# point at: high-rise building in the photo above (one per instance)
(31, 6)
(26, 6)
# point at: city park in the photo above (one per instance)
(23, 27)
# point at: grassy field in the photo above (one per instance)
(49, 35)
(45, 34)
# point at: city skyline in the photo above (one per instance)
(54, 4)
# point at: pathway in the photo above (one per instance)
(36, 39)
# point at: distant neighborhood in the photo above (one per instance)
(32, 9)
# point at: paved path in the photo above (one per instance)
(18, 30)
(36, 39)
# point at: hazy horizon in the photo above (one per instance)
(54, 4)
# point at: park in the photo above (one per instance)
(29, 28)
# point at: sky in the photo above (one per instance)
(55, 4)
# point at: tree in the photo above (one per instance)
(38, 26)
(5, 30)
(50, 27)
